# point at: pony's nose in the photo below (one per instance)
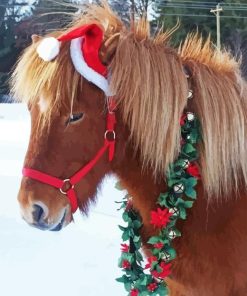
(38, 214)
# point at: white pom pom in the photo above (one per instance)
(48, 49)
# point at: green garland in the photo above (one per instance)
(182, 176)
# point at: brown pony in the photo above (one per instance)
(151, 93)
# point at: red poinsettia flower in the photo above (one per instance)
(166, 270)
(134, 292)
(124, 248)
(126, 264)
(159, 245)
(150, 261)
(152, 287)
(182, 119)
(193, 170)
(160, 218)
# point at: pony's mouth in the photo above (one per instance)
(61, 224)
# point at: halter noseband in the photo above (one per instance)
(66, 186)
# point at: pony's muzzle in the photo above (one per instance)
(50, 211)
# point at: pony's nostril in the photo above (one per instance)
(38, 213)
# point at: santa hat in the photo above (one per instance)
(84, 50)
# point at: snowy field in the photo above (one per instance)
(81, 260)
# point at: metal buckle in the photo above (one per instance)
(70, 186)
(113, 135)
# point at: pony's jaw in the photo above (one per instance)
(37, 213)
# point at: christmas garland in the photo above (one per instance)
(147, 279)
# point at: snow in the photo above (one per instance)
(79, 260)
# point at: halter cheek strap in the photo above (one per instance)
(66, 186)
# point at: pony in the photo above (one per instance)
(147, 78)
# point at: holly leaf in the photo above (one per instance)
(163, 199)
(188, 148)
(180, 203)
(144, 281)
(126, 217)
(125, 235)
(171, 251)
(182, 213)
(162, 290)
(180, 163)
(122, 279)
(136, 239)
(190, 192)
(144, 293)
(154, 240)
(194, 136)
(155, 252)
(191, 182)
(139, 256)
(137, 224)
(188, 204)
(122, 228)
(172, 182)
(123, 206)
(157, 267)
(127, 286)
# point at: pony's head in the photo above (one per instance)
(72, 120)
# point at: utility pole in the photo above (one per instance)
(132, 11)
(217, 12)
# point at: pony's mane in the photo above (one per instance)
(152, 89)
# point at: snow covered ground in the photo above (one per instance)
(79, 260)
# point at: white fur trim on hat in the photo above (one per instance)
(82, 67)
(48, 49)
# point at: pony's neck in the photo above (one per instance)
(142, 187)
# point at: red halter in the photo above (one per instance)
(72, 181)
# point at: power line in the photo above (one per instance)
(206, 3)
(170, 5)
(200, 15)
(228, 8)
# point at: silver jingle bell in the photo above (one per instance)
(174, 211)
(172, 234)
(190, 116)
(178, 188)
(186, 164)
(166, 256)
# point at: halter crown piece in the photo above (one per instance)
(85, 43)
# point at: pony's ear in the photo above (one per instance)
(35, 38)
(108, 49)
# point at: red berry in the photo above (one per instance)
(134, 292)
(159, 245)
(126, 264)
(152, 287)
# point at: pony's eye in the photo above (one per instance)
(74, 117)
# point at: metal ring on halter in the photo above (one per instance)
(113, 133)
(71, 186)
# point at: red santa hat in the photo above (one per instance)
(84, 50)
